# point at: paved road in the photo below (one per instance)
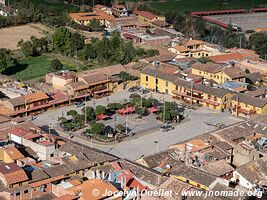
(145, 145)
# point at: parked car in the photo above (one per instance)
(144, 91)
(134, 89)
(79, 104)
(70, 136)
(166, 128)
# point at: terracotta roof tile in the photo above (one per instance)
(146, 14)
(208, 67)
(97, 14)
(94, 78)
(13, 153)
(13, 173)
(181, 48)
(227, 57)
(234, 72)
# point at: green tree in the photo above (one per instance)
(140, 111)
(120, 128)
(27, 48)
(97, 128)
(258, 42)
(72, 113)
(62, 40)
(77, 43)
(114, 106)
(56, 65)
(95, 25)
(62, 119)
(100, 110)
(3, 62)
(89, 112)
(150, 102)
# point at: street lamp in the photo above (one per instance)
(157, 143)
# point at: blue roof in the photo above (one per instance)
(233, 85)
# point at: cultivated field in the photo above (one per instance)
(9, 37)
(200, 5)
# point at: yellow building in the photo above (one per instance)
(151, 19)
(194, 176)
(218, 73)
(200, 94)
(247, 105)
(196, 49)
(157, 81)
(190, 92)
(85, 18)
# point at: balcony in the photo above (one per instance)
(246, 111)
(195, 97)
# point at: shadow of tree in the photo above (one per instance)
(15, 69)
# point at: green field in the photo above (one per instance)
(201, 5)
(32, 67)
(51, 5)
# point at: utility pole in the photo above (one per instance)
(164, 109)
(237, 105)
(115, 124)
(192, 85)
(240, 42)
(126, 122)
(157, 143)
(85, 117)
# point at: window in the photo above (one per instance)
(176, 87)
(167, 83)
(157, 81)
(25, 191)
(18, 193)
(166, 91)
(146, 78)
(199, 72)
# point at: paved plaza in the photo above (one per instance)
(152, 139)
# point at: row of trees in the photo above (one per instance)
(106, 51)
(52, 14)
(111, 50)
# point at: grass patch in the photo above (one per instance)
(201, 5)
(31, 68)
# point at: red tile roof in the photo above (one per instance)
(13, 173)
(87, 16)
(45, 143)
(146, 14)
(227, 57)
